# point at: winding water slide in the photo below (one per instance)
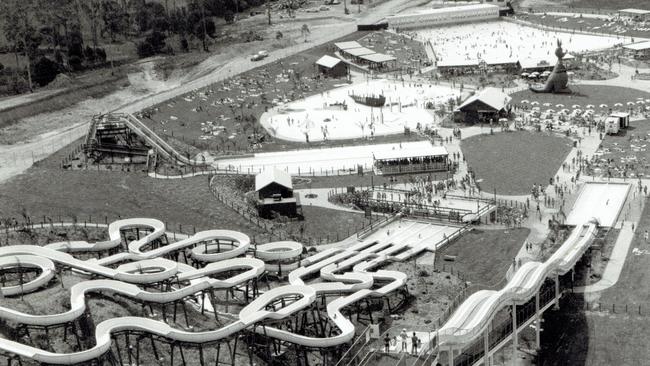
(346, 271)
(475, 314)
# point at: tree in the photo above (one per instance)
(114, 17)
(93, 9)
(45, 70)
(18, 16)
(203, 29)
(58, 17)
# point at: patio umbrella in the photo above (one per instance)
(559, 105)
(618, 105)
(532, 76)
(575, 106)
(546, 104)
(534, 103)
(640, 102)
(589, 106)
(535, 108)
(630, 103)
(550, 111)
(525, 101)
(603, 106)
(524, 74)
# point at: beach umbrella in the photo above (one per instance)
(534, 103)
(525, 101)
(618, 105)
(559, 105)
(589, 106)
(603, 106)
(575, 106)
(630, 103)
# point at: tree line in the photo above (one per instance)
(52, 36)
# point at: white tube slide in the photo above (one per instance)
(345, 272)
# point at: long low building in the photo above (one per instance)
(422, 158)
(442, 16)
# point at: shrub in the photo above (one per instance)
(75, 63)
(100, 55)
(44, 71)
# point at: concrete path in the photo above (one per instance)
(615, 263)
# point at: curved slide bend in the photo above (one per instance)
(473, 316)
(346, 271)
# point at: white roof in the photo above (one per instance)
(620, 115)
(359, 51)
(378, 57)
(347, 45)
(447, 10)
(410, 151)
(490, 96)
(634, 11)
(457, 63)
(271, 175)
(531, 63)
(638, 46)
(328, 61)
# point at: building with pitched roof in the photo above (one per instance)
(274, 192)
(489, 104)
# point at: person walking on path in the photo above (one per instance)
(404, 337)
(387, 343)
(414, 344)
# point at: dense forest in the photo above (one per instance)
(47, 37)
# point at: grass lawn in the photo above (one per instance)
(512, 162)
(483, 256)
(629, 152)
(327, 225)
(46, 189)
(584, 95)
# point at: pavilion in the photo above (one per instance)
(490, 104)
(420, 159)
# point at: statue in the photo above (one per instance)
(558, 80)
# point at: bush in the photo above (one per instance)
(100, 55)
(152, 45)
(185, 46)
(44, 71)
(75, 63)
(89, 52)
